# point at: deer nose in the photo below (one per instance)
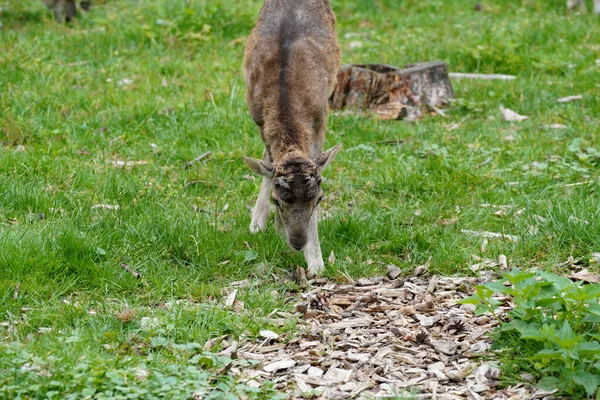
(298, 242)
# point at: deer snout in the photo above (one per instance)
(297, 241)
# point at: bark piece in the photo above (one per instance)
(393, 93)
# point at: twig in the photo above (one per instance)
(570, 98)
(579, 184)
(198, 159)
(565, 118)
(114, 140)
(439, 111)
(390, 142)
(132, 271)
(460, 75)
(191, 183)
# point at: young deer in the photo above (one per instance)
(291, 64)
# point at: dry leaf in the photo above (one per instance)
(510, 115)
(484, 244)
(331, 258)
(127, 315)
(491, 235)
(585, 276)
(502, 261)
(142, 374)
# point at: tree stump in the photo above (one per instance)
(393, 93)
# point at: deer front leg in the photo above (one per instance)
(59, 11)
(312, 251)
(70, 10)
(262, 208)
(579, 4)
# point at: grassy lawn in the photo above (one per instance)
(159, 82)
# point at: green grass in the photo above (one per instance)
(66, 112)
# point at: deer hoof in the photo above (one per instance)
(316, 269)
(255, 228)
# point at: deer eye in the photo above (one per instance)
(320, 199)
(277, 204)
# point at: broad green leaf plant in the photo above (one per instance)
(552, 331)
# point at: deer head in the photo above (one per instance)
(296, 183)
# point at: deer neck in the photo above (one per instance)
(282, 142)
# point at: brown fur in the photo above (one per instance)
(65, 10)
(291, 64)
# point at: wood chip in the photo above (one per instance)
(350, 323)
(337, 375)
(279, 365)
(420, 270)
(269, 335)
(369, 281)
(383, 338)
(302, 386)
(445, 346)
(393, 272)
(230, 300)
(315, 372)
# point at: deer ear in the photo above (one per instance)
(325, 158)
(260, 167)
